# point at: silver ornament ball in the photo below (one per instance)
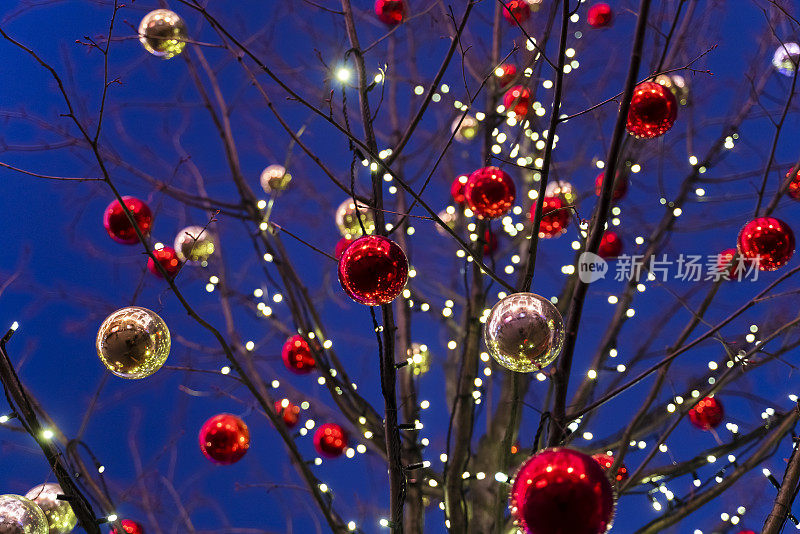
(449, 217)
(133, 342)
(275, 178)
(163, 33)
(347, 219)
(19, 515)
(194, 243)
(786, 58)
(563, 190)
(59, 514)
(465, 130)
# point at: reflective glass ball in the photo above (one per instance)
(390, 12)
(457, 189)
(59, 514)
(289, 412)
(297, 356)
(620, 186)
(19, 515)
(785, 58)
(133, 342)
(168, 259)
(373, 270)
(677, 84)
(465, 129)
(562, 491)
(120, 228)
(129, 526)
(555, 217)
(606, 461)
(520, 9)
(449, 218)
(524, 332)
(341, 246)
(732, 264)
(767, 241)
(490, 192)
(610, 245)
(794, 186)
(224, 439)
(194, 243)
(562, 189)
(330, 440)
(163, 33)
(275, 178)
(707, 414)
(518, 100)
(653, 110)
(347, 219)
(600, 15)
(506, 73)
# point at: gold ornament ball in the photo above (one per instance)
(677, 85)
(419, 358)
(467, 130)
(133, 342)
(347, 220)
(563, 190)
(163, 33)
(194, 243)
(275, 178)
(19, 515)
(59, 513)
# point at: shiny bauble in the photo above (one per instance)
(555, 217)
(341, 246)
(490, 245)
(195, 244)
(373, 270)
(517, 100)
(289, 412)
(129, 526)
(330, 440)
(732, 264)
(390, 12)
(163, 33)
(563, 190)
(524, 332)
(133, 342)
(457, 189)
(786, 58)
(449, 217)
(562, 491)
(506, 74)
(620, 186)
(707, 414)
(793, 190)
(490, 192)
(419, 358)
(519, 9)
(767, 241)
(600, 15)
(118, 225)
(677, 84)
(19, 515)
(610, 245)
(275, 178)
(347, 219)
(465, 129)
(606, 461)
(224, 439)
(653, 110)
(168, 259)
(59, 514)
(297, 356)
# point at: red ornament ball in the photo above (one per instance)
(600, 15)
(490, 192)
(736, 269)
(491, 243)
(129, 527)
(653, 110)
(390, 12)
(120, 228)
(707, 414)
(554, 218)
(341, 246)
(620, 186)
(767, 241)
(610, 246)
(168, 259)
(747, 532)
(518, 100)
(297, 356)
(606, 461)
(373, 270)
(506, 74)
(562, 491)
(520, 9)
(289, 412)
(224, 439)
(794, 186)
(457, 189)
(330, 440)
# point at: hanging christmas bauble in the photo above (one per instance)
(517, 100)
(767, 241)
(733, 264)
(563, 190)
(524, 332)
(465, 129)
(620, 186)
(652, 112)
(289, 412)
(516, 8)
(163, 33)
(448, 217)
(419, 358)
(793, 190)
(457, 189)
(786, 58)
(195, 243)
(707, 414)
(168, 259)
(347, 219)
(600, 15)
(120, 228)
(555, 217)
(297, 356)
(610, 246)
(129, 526)
(390, 12)
(506, 74)
(275, 178)
(491, 242)
(224, 439)
(562, 491)
(677, 84)
(373, 270)
(60, 517)
(341, 246)
(133, 342)
(330, 440)
(490, 192)
(747, 532)
(606, 461)
(19, 515)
